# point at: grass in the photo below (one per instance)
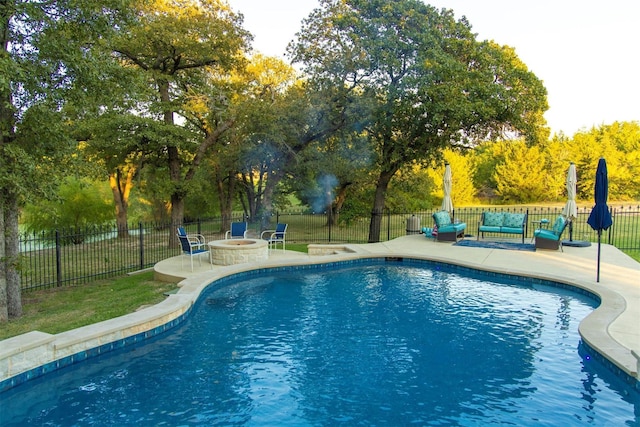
(61, 309)
(298, 247)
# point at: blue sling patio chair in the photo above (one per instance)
(273, 237)
(238, 231)
(197, 240)
(191, 246)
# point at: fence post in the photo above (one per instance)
(388, 225)
(58, 260)
(329, 222)
(612, 212)
(141, 239)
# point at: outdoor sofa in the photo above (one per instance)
(503, 223)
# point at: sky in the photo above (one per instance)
(586, 52)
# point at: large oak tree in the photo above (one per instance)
(428, 82)
(183, 47)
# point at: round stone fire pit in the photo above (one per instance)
(238, 251)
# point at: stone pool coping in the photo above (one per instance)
(612, 329)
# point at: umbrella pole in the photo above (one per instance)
(598, 271)
(571, 230)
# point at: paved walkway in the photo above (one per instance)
(613, 329)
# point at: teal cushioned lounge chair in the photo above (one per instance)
(447, 230)
(550, 239)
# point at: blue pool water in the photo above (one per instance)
(371, 345)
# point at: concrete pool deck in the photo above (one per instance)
(613, 329)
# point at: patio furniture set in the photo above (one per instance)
(446, 230)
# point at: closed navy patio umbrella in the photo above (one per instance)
(600, 217)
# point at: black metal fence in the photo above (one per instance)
(74, 257)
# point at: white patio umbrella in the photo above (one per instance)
(447, 204)
(570, 211)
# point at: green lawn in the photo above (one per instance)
(61, 309)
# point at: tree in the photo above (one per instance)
(183, 48)
(522, 176)
(265, 147)
(485, 157)
(78, 203)
(276, 130)
(45, 68)
(412, 190)
(463, 192)
(329, 169)
(557, 158)
(619, 143)
(615, 143)
(249, 159)
(429, 83)
(116, 144)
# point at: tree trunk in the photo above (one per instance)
(175, 171)
(177, 216)
(12, 256)
(178, 179)
(6, 135)
(4, 312)
(177, 196)
(334, 207)
(121, 191)
(375, 225)
(251, 195)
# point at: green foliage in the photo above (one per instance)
(428, 82)
(202, 200)
(464, 193)
(521, 178)
(557, 158)
(77, 203)
(485, 157)
(511, 172)
(340, 161)
(619, 144)
(421, 78)
(411, 190)
(358, 206)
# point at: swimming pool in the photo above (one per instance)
(373, 344)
